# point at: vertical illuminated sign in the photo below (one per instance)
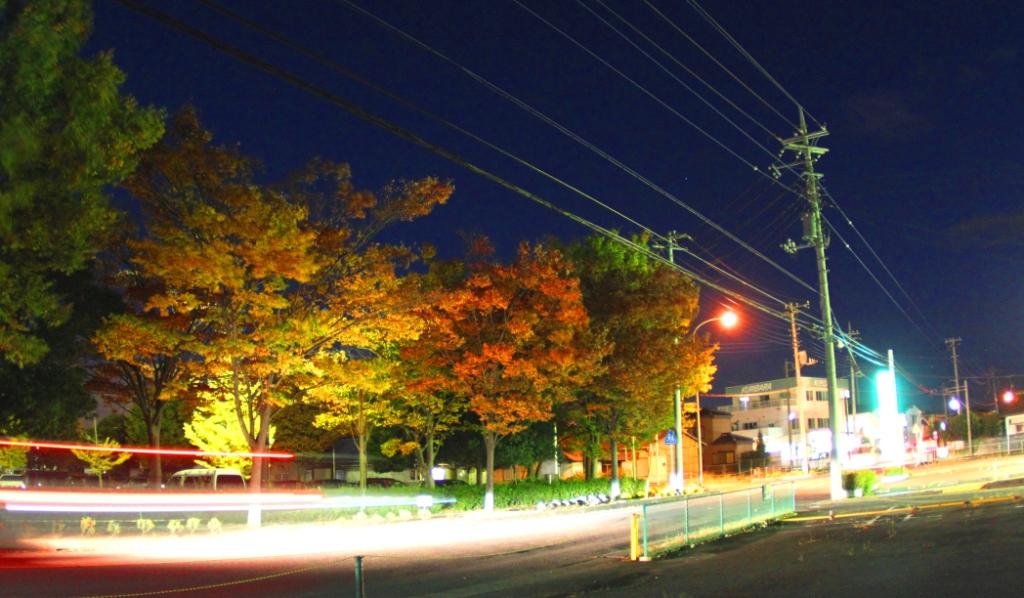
(891, 441)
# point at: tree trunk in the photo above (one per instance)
(156, 473)
(616, 486)
(361, 446)
(430, 456)
(490, 441)
(255, 516)
(421, 464)
(361, 438)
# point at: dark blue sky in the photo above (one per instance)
(922, 103)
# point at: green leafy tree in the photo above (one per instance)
(48, 398)
(66, 133)
(643, 311)
(13, 457)
(213, 427)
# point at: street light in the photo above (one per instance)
(728, 320)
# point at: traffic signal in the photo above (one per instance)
(1009, 397)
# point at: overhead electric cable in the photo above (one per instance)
(678, 63)
(575, 137)
(711, 56)
(337, 67)
(728, 36)
(878, 258)
(380, 122)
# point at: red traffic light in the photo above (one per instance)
(1009, 396)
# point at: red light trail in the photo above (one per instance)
(143, 450)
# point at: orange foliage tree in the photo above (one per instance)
(274, 275)
(522, 329)
(427, 408)
(226, 254)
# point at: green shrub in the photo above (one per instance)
(895, 471)
(865, 480)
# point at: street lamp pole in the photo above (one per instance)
(728, 319)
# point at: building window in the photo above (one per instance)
(749, 425)
(810, 395)
(810, 422)
(763, 398)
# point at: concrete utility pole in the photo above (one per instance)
(804, 145)
(967, 405)
(677, 479)
(854, 335)
(952, 343)
(791, 309)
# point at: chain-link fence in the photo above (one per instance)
(698, 518)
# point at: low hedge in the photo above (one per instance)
(864, 479)
(525, 494)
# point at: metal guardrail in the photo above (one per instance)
(700, 518)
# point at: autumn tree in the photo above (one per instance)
(213, 427)
(146, 367)
(274, 275)
(356, 398)
(428, 408)
(644, 311)
(227, 253)
(359, 307)
(101, 461)
(66, 133)
(523, 330)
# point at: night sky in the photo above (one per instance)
(922, 101)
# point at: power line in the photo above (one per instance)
(411, 137)
(335, 66)
(400, 132)
(678, 63)
(574, 136)
(736, 78)
(707, 17)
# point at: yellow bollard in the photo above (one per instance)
(634, 537)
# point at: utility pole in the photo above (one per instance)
(952, 343)
(967, 404)
(854, 335)
(677, 479)
(791, 309)
(804, 146)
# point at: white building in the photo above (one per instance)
(793, 421)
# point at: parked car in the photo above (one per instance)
(384, 482)
(214, 480)
(330, 484)
(12, 480)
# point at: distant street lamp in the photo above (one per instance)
(728, 320)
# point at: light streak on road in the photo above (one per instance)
(141, 450)
(55, 501)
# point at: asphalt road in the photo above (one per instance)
(951, 549)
